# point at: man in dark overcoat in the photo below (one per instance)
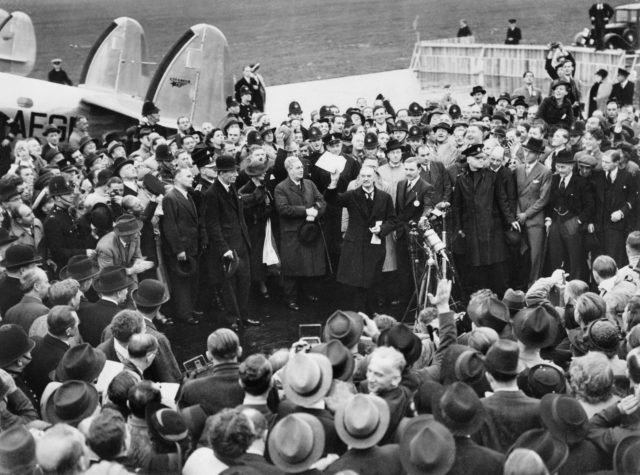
(298, 203)
(600, 13)
(229, 238)
(371, 218)
(183, 237)
(481, 212)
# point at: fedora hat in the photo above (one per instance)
(425, 394)
(514, 300)
(426, 446)
(459, 408)
(542, 379)
(488, 312)
(81, 362)
(153, 185)
(307, 378)
(58, 186)
(345, 326)
(5, 237)
(362, 420)
(14, 343)
(342, 360)
(86, 140)
(230, 266)
(564, 156)
(404, 340)
(150, 293)
(564, 417)
(478, 89)
(534, 145)
(50, 129)
(503, 358)
(148, 108)
(111, 279)
(8, 191)
(119, 163)
(626, 456)
(309, 233)
(469, 367)
(296, 442)
(226, 163)
(552, 451)
(80, 268)
(71, 402)
(535, 327)
(19, 255)
(17, 451)
(127, 225)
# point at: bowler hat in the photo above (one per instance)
(72, 402)
(564, 417)
(535, 327)
(345, 326)
(111, 279)
(307, 378)
(534, 145)
(50, 129)
(469, 367)
(226, 163)
(472, 150)
(488, 312)
(59, 186)
(127, 225)
(478, 89)
(392, 145)
(552, 451)
(542, 379)
(186, 268)
(371, 141)
(296, 442)
(514, 300)
(17, 451)
(119, 163)
(150, 293)
(623, 72)
(626, 456)
(202, 156)
(14, 343)
(402, 339)
(86, 140)
(459, 408)
(415, 109)
(19, 255)
(230, 265)
(309, 232)
(162, 153)
(80, 362)
(355, 111)
(503, 358)
(500, 116)
(341, 358)
(80, 268)
(519, 101)
(149, 108)
(153, 185)
(362, 420)
(443, 126)
(564, 156)
(314, 134)
(426, 446)
(5, 237)
(294, 108)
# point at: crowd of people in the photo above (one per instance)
(106, 241)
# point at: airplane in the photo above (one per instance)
(193, 79)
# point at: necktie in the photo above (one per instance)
(562, 184)
(369, 195)
(409, 186)
(609, 177)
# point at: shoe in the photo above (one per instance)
(293, 306)
(249, 321)
(311, 298)
(192, 321)
(395, 302)
(197, 313)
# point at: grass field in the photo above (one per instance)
(297, 40)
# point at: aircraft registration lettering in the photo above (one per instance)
(26, 126)
(179, 82)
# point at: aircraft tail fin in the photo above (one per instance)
(194, 77)
(17, 43)
(117, 60)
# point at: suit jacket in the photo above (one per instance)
(622, 196)
(509, 415)
(223, 214)
(25, 312)
(623, 95)
(111, 252)
(506, 179)
(473, 459)
(412, 205)
(578, 198)
(376, 460)
(532, 98)
(10, 293)
(360, 261)
(218, 391)
(436, 174)
(45, 358)
(94, 318)
(533, 192)
(182, 231)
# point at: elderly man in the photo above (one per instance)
(18, 259)
(299, 204)
(35, 285)
(27, 228)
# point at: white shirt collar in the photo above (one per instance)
(226, 187)
(109, 299)
(613, 174)
(607, 284)
(413, 182)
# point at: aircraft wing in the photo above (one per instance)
(121, 103)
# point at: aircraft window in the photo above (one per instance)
(25, 102)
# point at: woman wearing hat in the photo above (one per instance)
(258, 211)
(556, 109)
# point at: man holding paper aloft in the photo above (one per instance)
(371, 218)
